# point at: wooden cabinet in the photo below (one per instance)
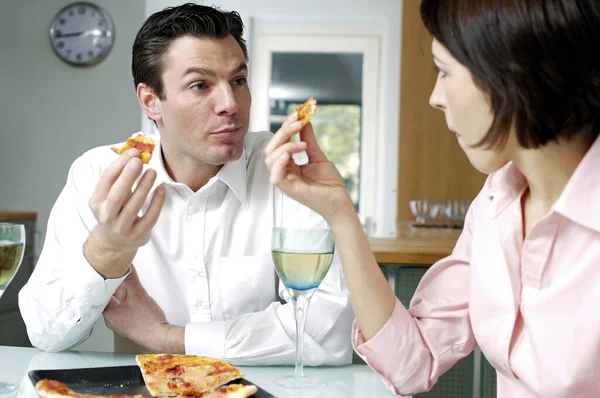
(12, 328)
(431, 163)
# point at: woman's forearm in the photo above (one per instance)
(372, 298)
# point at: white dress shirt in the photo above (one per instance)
(208, 265)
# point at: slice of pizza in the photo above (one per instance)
(47, 388)
(172, 375)
(306, 110)
(228, 391)
(145, 146)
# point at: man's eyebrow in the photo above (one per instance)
(242, 66)
(199, 70)
(204, 71)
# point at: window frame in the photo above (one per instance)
(268, 38)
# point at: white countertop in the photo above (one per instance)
(351, 381)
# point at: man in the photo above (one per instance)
(176, 254)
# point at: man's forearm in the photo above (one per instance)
(109, 261)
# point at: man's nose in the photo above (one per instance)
(226, 102)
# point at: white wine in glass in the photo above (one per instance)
(302, 257)
(12, 245)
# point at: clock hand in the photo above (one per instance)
(63, 35)
(95, 32)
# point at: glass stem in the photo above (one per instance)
(300, 308)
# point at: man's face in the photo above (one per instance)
(206, 106)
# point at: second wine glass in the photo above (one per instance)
(12, 246)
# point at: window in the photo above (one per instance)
(341, 70)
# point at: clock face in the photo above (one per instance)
(82, 34)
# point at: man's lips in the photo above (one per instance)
(227, 132)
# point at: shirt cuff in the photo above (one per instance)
(86, 282)
(376, 352)
(205, 338)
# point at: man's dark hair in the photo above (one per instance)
(536, 59)
(161, 28)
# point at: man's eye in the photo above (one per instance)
(199, 86)
(240, 81)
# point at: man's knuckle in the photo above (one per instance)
(112, 202)
(93, 204)
(137, 236)
(120, 230)
(103, 218)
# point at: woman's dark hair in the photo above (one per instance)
(161, 28)
(537, 59)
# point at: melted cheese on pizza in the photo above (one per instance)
(144, 145)
(171, 375)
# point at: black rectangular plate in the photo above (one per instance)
(114, 380)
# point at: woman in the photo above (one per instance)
(519, 84)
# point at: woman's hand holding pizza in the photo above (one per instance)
(316, 184)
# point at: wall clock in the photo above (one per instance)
(82, 34)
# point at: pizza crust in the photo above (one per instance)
(55, 389)
(228, 391)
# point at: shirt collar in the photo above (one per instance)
(156, 163)
(232, 174)
(579, 199)
(505, 186)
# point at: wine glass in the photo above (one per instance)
(302, 247)
(12, 245)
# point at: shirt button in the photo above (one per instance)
(198, 303)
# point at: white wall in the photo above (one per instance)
(362, 13)
(51, 112)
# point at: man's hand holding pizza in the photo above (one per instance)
(114, 242)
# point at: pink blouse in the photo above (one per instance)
(532, 305)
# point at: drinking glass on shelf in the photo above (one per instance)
(12, 245)
(302, 255)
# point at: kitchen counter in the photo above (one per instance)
(415, 245)
(12, 216)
